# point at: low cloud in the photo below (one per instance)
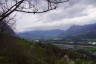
(78, 12)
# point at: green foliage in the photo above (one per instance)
(83, 61)
(14, 50)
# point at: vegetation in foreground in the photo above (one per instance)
(14, 50)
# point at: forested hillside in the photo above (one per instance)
(14, 50)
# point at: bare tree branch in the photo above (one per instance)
(14, 7)
(26, 6)
(49, 7)
(35, 11)
(21, 6)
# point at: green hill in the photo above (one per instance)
(14, 50)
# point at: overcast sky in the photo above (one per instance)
(79, 12)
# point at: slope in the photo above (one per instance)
(14, 50)
(86, 31)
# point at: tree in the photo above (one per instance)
(7, 7)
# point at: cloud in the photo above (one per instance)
(75, 8)
(83, 2)
(74, 12)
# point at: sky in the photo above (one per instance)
(74, 12)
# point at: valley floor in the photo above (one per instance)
(14, 50)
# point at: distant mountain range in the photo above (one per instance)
(75, 31)
(41, 34)
(86, 31)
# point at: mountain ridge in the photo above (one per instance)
(74, 31)
(86, 30)
(41, 34)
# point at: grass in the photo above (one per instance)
(90, 49)
(14, 50)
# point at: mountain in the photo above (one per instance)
(4, 27)
(86, 31)
(74, 32)
(40, 34)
